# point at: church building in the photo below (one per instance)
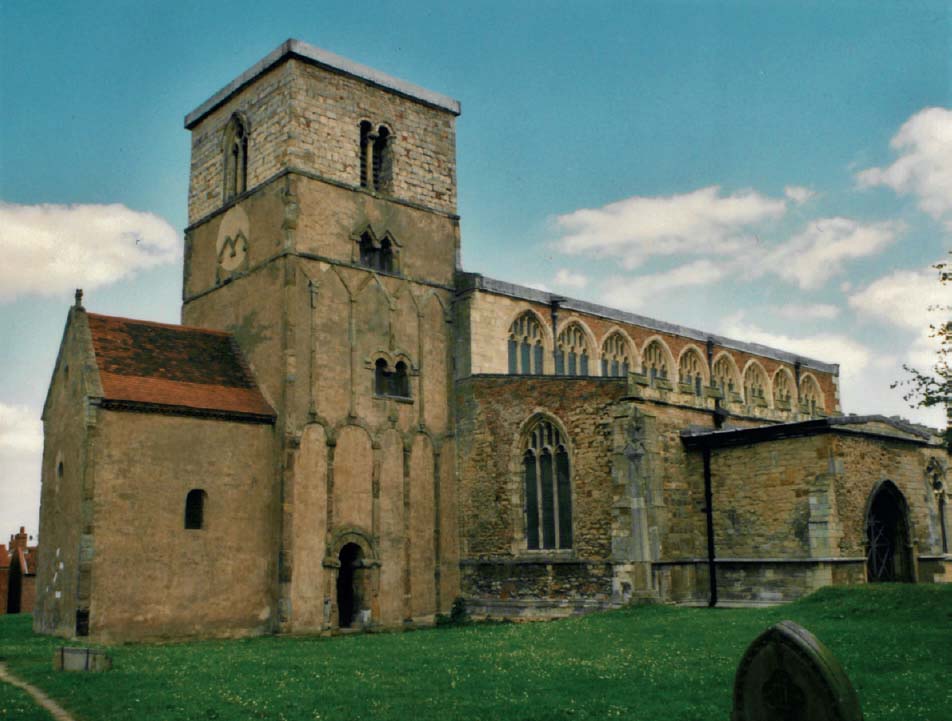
(349, 431)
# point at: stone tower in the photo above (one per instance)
(323, 234)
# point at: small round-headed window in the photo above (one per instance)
(195, 508)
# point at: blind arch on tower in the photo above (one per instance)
(547, 487)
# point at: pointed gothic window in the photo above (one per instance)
(782, 385)
(548, 489)
(755, 385)
(725, 378)
(526, 354)
(236, 158)
(690, 370)
(655, 362)
(616, 356)
(811, 398)
(572, 352)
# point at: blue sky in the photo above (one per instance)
(779, 172)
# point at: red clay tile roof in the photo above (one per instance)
(174, 368)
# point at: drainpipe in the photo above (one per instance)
(709, 517)
(554, 302)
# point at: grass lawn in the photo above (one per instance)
(651, 662)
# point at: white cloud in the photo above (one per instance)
(567, 278)
(924, 165)
(812, 257)
(911, 300)
(807, 311)
(702, 222)
(852, 356)
(21, 448)
(799, 194)
(50, 249)
(635, 292)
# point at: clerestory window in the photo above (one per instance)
(526, 353)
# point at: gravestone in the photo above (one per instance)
(786, 674)
(67, 658)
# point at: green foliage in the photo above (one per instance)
(924, 389)
(646, 662)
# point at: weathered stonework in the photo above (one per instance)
(368, 414)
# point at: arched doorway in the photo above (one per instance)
(888, 539)
(348, 593)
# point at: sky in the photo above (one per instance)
(777, 172)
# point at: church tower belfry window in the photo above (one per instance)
(236, 157)
(377, 254)
(376, 157)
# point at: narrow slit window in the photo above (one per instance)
(195, 509)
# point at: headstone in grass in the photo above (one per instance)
(67, 658)
(786, 674)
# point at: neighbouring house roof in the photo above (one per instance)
(172, 368)
(871, 426)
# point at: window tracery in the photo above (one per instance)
(655, 362)
(811, 398)
(616, 356)
(725, 379)
(572, 353)
(526, 353)
(755, 385)
(782, 389)
(690, 371)
(547, 488)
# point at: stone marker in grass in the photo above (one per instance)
(67, 658)
(786, 674)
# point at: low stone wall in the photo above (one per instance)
(543, 588)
